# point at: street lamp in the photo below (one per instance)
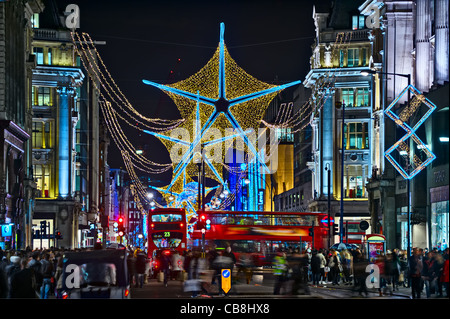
(408, 76)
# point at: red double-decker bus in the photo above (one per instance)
(166, 230)
(261, 233)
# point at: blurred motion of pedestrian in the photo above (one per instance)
(279, 266)
(36, 265)
(59, 277)
(415, 272)
(359, 271)
(315, 268)
(131, 266)
(47, 275)
(166, 263)
(244, 265)
(141, 263)
(23, 282)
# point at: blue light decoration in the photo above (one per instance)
(224, 105)
(401, 145)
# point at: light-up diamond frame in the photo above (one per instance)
(402, 145)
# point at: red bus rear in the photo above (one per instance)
(167, 230)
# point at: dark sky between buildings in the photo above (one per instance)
(144, 40)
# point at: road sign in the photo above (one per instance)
(226, 280)
(364, 225)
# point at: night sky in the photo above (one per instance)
(145, 39)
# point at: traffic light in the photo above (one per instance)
(201, 223)
(43, 231)
(121, 226)
(335, 229)
(311, 232)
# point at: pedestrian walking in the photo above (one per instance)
(59, 277)
(359, 268)
(279, 265)
(36, 265)
(177, 266)
(23, 282)
(141, 260)
(415, 273)
(335, 267)
(445, 273)
(47, 276)
(315, 268)
(165, 267)
(323, 264)
(131, 266)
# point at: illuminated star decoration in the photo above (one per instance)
(220, 95)
(402, 144)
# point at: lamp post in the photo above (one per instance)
(408, 76)
(338, 105)
(328, 169)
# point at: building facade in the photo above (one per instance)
(342, 141)
(67, 152)
(17, 188)
(408, 46)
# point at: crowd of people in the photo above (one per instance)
(425, 272)
(38, 273)
(31, 273)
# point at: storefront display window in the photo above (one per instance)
(439, 225)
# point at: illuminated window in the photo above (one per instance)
(285, 135)
(341, 58)
(42, 96)
(39, 52)
(41, 137)
(41, 174)
(348, 97)
(364, 57)
(354, 182)
(35, 21)
(37, 134)
(355, 97)
(49, 56)
(356, 136)
(353, 57)
(358, 22)
(362, 97)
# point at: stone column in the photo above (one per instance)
(64, 142)
(423, 45)
(441, 65)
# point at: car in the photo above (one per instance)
(95, 274)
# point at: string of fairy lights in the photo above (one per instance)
(248, 100)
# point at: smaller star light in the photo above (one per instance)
(408, 157)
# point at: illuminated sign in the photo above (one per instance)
(226, 280)
(325, 220)
(408, 156)
(6, 230)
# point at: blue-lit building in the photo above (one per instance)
(341, 51)
(67, 146)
